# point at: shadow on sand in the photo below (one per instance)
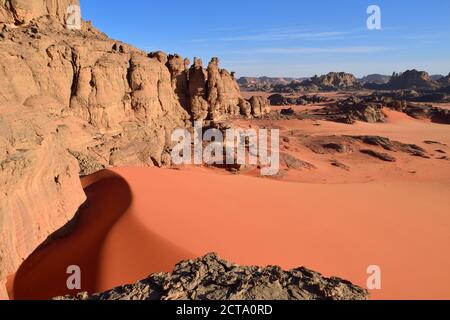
(82, 242)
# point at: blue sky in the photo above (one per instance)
(291, 38)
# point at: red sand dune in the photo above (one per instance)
(143, 220)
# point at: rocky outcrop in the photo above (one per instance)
(223, 92)
(178, 68)
(264, 84)
(74, 102)
(375, 78)
(334, 81)
(410, 79)
(379, 155)
(41, 190)
(445, 81)
(197, 91)
(280, 100)
(22, 11)
(435, 114)
(211, 278)
(260, 106)
(79, 91)
(214, 94)
(355, 109)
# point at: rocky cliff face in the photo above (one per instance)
(22, 11)
(76, 101)
(410, 79)
(211, 278)
(445, 81)
(333, 81)
(40, 190)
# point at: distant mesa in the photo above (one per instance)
(332, 81)
(335, 81)
(410, 79)
(75, 101)
(375, 78)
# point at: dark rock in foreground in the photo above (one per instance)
(210, 278)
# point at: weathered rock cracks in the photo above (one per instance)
(211, 278)
(74, 102)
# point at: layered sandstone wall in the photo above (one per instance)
(40, 185)
(74, 102)
(22, 11)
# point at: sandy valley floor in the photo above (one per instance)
(339, 222)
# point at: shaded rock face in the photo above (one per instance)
(387, 144)
(280, 100)
(213, 94)
(211, 278)
(41, 189)
(260, 106)
(179, 74)
(379, 155)
(332, 81)
(399, 101)
(358, 110)
(410, 79)
(355, 109)
(375, 78)
(222, 92)
(336, 81)
(435, 114)
(74, 102)
(22, 11)
(67, 96)
(445, 81)
(265, 84)
(197, 91)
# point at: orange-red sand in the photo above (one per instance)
(143, 220)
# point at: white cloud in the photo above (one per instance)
(306, 50)
(289, 33)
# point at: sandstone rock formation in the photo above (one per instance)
(264, 84)
(389, 145)
(374, 78)
(74, 102)
(445, 81)
(211, 278)
(41, 189)
(178, 68)
(280, 100)
(22, 11)
(410, 79)
(355, 109)
(259, 105)
(379, 155)
(334, 81)
(214, 94)
(197, 91)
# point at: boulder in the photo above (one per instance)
(210, 278)
(260, 106)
